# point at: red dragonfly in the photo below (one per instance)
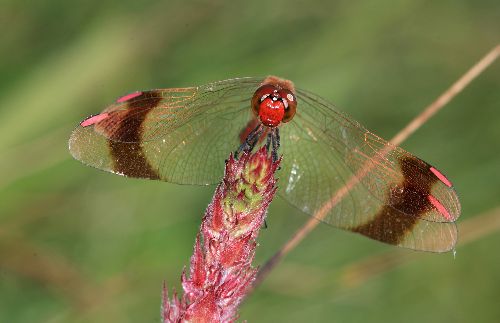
(183, 135)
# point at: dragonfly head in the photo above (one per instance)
(274, 101)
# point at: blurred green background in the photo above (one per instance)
(80, 245)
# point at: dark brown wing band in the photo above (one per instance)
(128, 156)
(408, 201)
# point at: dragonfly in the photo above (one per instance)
(183, 135)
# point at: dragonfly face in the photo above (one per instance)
(332, 168)
(274, 102)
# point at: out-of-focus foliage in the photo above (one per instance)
(79, 245)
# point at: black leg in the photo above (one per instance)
(269, 140)
(275, 141)
(278, 139)
(250, 141)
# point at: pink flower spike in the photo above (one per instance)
(221, 271)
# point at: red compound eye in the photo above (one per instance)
(260, 95)
(290, 103)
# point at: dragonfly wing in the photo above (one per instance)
(174, 135)
(392, 196)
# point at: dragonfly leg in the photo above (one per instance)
(250, 141)
(278, 139)
(275, 141)
(269, 140)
